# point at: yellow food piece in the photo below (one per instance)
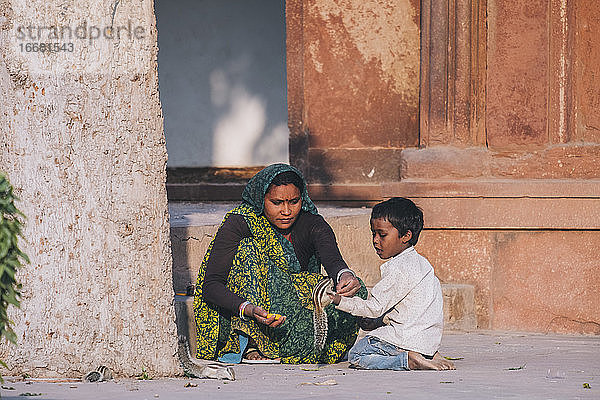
(277, 316)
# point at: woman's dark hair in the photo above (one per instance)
(286, 178)
(403, 214)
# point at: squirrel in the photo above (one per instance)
(321, 299)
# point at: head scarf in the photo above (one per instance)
(256, 189)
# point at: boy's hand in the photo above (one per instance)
(348, 285)
(335, 298)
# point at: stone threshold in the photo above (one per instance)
(412, 187)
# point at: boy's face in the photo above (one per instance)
(386, 239)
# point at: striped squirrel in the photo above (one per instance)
(321, 299)
(197, 368)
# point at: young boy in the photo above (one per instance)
(405, 311)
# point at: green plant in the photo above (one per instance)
(11, 258)
(144, 376)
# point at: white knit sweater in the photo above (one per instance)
(410, 296)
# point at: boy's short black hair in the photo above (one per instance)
(403, 214)
(286, 178)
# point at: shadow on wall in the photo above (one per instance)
(222, 82)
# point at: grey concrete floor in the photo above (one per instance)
(490, 365)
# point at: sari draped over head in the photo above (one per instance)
(267, 273)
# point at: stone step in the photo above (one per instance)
(193, 226)
(459, 311)
(459, 307)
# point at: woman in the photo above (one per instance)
(265, 259)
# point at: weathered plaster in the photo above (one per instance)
(353, 86)
(382, 32)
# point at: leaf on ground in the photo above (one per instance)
(329, 382)
(446, 381)
(317, 368)
(586, 386)
(8, 387)
(29, 394)
(454, 358)
(516, 368)
(190, 384)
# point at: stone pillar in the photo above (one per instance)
(453, 50)
(81, 132)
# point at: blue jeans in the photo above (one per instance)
(373, 353)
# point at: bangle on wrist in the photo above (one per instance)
(339, 274)
(242, 308)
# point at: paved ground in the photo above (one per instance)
(491, 366)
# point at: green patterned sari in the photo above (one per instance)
(266, 272)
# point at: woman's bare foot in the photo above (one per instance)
(255, 355)
(437, 363)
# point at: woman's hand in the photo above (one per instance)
(260, 315)
(348, 285)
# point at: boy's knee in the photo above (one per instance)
(353, 356)
(357, 350)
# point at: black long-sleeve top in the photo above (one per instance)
(310, 234)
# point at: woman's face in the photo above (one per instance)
(282, 205)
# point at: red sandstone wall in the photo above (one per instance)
(517, 73)
(516, 78)
(353, 87)
(496, 131)
(543, 60)
(537, 281)
(586, 72)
